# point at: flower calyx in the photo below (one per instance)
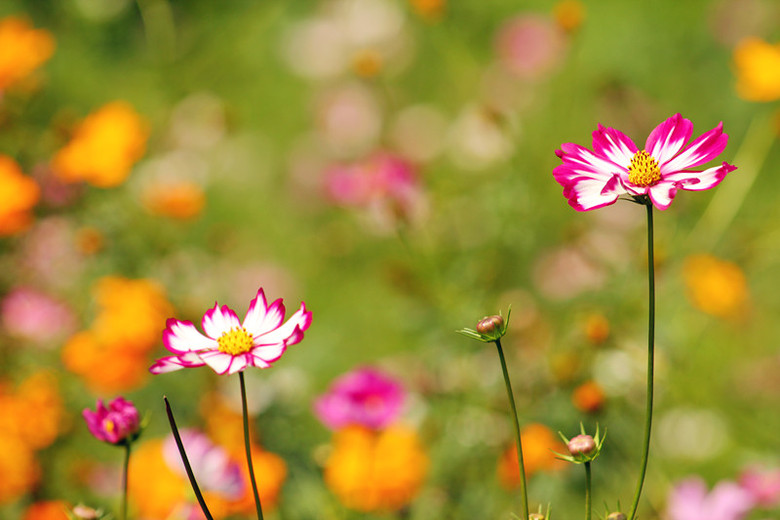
(489, 328)
(583, 447)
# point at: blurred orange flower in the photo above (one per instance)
(112, 355)
(18, 468)
(18, 195)
(429, 9)
(715, 286)
(104, 147)
(22, 49)
(47, 510)
(596, 328)
(569, 14)
(758, 70)
(539, 442)
(376, 471)
(175, 199)
(588, 397)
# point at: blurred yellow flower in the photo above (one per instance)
(154, 489)
(569, 14)
(47, 510)
(758, 70)
(596, 328)
(376, 471)
(18, 469)
(175, 199)
(539, 442)
(588, 397)
(715, 286)
(104, 147)
(18, 195)
(22, 49)
(112, 355)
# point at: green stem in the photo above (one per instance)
(185, 460)
(510, 394)
(587, 491)
(248, 447)
(125, 470)
(650, 357)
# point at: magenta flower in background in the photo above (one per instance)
(230, 346)
(31, 314)
(762, 484)
(689, 500)
(210, 463)
(595, 178)
(119, 423)
(381, 176)
(530, 46)
(365, 397)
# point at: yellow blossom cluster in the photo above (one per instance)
(113, 354)
(22, 50)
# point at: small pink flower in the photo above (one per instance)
(530, 46)
(615, 166)
(211, 464)
(763, 485)
(30, 314)
(365, 397)
(117, 424)
(230, 346)
(689, 500)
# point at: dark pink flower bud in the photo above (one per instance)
(117, 424)
(581, 445)
(489, 325)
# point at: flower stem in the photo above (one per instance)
(510, 394)
(248, 446)
(588, 499)
(125, 470)
(650, 356)
(186, 461)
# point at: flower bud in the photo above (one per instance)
(82, 512)
(490, 325)
(536, 516)
(616, 516)
(581, 445)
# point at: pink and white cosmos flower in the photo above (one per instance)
(595, 178)
(230, 346)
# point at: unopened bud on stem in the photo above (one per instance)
(490, 324)
(616, 516)
(582, 445)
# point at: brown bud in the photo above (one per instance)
(581, 445)
(490, 324)
(616, 516)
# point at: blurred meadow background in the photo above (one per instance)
(389, 162)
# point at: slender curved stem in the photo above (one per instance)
(187, 467)
(248, 447)
(125, 470)
(510, 394)
(588, 499)
(650, 357)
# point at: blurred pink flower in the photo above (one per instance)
(689, 500)
(230, 346)
(211, 464)
(365, 397)
(119, 423)
(762, 484)
(31, 314)
(530, 46)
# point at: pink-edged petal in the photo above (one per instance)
(584, 162)
(586, 192)
(614, 145)
(171, 363)
(287, 333)
(223, 363)
(704, 148)
(668, 138)
(704, 180)
(182, 336)
(219, 320)
(661, 194)
(261, 318)
(267, 354)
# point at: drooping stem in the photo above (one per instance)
(248, 447)
(510, 395)
(588, 499)
(185, 460)
(650, 357)
(125, 469)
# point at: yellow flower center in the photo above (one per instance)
(643, 170)
(236, 341)
(109, 426)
